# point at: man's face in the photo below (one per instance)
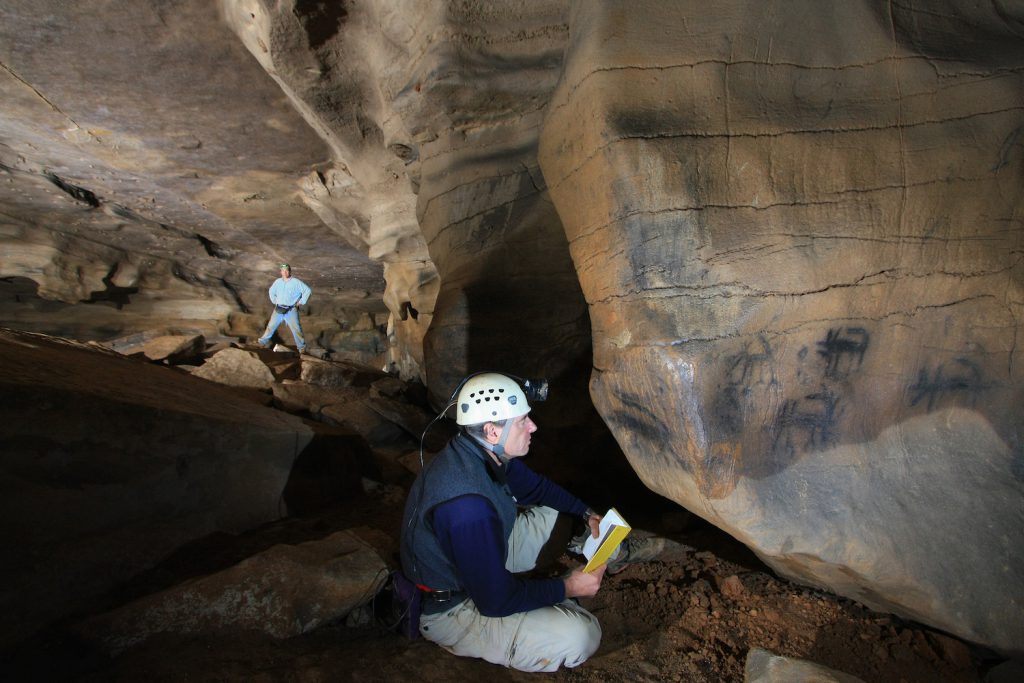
(519, 430)
(286, 273)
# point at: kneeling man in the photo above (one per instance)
(475, 517)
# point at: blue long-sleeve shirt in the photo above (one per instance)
(289, 292)
(469, 531)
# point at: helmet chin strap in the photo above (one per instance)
(497, 448)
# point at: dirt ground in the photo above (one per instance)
(691, 616)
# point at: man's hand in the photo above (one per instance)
(594, 522)
(583, 585)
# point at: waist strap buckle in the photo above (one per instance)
(435, 596)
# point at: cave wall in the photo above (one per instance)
(433, 112)
(342, 67)
(798, 233)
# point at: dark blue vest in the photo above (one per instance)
(459, 469)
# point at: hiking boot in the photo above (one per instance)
(575, 545)
(636, 549)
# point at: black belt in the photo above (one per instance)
(439, 601)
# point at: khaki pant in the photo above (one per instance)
(540, 640)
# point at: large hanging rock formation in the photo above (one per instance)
(799, 236)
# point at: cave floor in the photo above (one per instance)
(692, 617)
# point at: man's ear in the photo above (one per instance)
(491, 432)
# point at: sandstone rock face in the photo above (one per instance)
(284, 591)
(111, 463)
(799, 237)
(508, 298)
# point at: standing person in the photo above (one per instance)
(464, 535)
(287, 294)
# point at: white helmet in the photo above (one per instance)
(490, 397)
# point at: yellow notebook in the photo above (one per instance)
(610, 534)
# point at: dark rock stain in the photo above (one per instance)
(744, 371)
(806, 424)
(236, 296)
(638, 421)
(962, 378)
(212, 248)
(78, 193)
(843, 351)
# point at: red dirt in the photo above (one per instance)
(689, 618)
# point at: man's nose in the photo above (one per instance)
(531, 425)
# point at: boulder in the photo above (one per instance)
(341, 373)
(388, 387)
(287, 368)
(134, 343)
(160, 343)
(216, 347)
(237, 368)
(802, 265)
(284, 591)
(111, 463)
(361, 418)
(394, 388)
(411, 460)
(411, 418)
(317, 352)
(174, 348)
(764, 667)
(299, 397)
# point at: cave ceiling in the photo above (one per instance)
(143, 149)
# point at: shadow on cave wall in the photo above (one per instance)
(528, 317)
(24, 292)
